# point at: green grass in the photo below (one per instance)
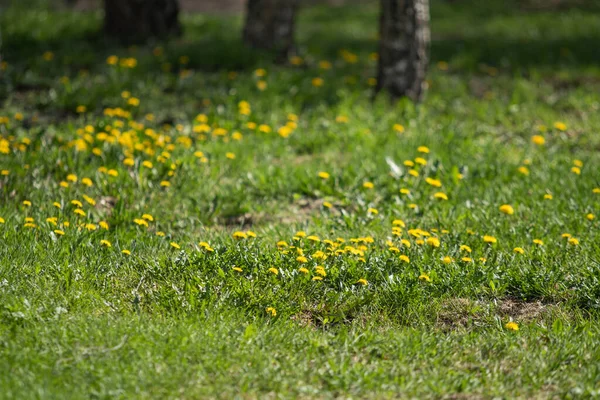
(173, 319)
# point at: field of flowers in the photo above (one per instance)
(188, 219)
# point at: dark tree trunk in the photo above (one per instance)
(270, 25)
(404, 48)
(138, 20)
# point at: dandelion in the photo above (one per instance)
(507, 209)
(512, 326)
(313, 238)
(420, 161)
(576, 170)
(175, 245)
(433, 241)
(77, 203)
(79, 211)
(317, 82)
(274, 271)
(590, 217)
(404, 191)
(424, 277)
(538, 140)
(301, 259)
(59, 232)
(539, 242)
(271, 311)
(160, 234)
(373, 211)
(327, 204)
(519, 250)
(466, 248)
(413, 172)
(434, 182)
(105, 243)
(404, 258)
(489, 239)
(578, 163)
(300, 234)
(2, 220)
(548, 196)
(368, 185)
(573, 241)
(103, 225)
(147, 164)
(114, 172)
(596, 190)
(303, 270)
(126, 252)
(466, 259)
(409, 163)
(561, 126)
(26, 203)
(237, 269)
(447, 260)
(87, 182)
(323, 175)
(441, 196)
(423, 149)
(399, 128)
(523, 170)
(362, 281)
(239, 235)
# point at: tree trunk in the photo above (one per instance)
(138, 20)
(403, 48)
(270, 25)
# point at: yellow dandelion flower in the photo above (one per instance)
(148, 217)
(59, 232)
(578, 163)
(274, 271)
(301, 259)
(590, 216)
(160, 233)
(512, 326)
(573, 241)
(538, 140)
(2, 220)
(519, 250)
(409, 163)
(113, 172)
(489, 239)
(466, 248)
(424, 277)
(303, 270)
(548, 196)
(399, 128)
(523, 170)
(323, 175)
(362, 281)
(404, 258)
(576, 170)
(423, 149)
(434, 182)
(327, 204)
(175, 245)
(539, 242)
(237, 269)
(433, 241)
(561, 126)
(447, 260)
(441, 196)
(103, 225)
(368, 185)
(239, 235)
(105, 243)
(317, 82)
(507, 209)
(79, 211)
(420, 161)
(26, 203)
(126, 252)
(147, 164)
(596, 190)
(404, 191)
(413, 172)
(271, 311)
(300, 234)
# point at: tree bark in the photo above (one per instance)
(139, 20)
(270, 25)
(403, 48)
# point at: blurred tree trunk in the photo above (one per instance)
(270, 25)
(138, 20)
(403, 48)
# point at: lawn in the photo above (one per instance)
(190, 220)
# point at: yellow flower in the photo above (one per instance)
(467, 259)
(404, 191)
(538, 139)
(524, 170)
(271, 311)
(165, 183)
(373, 211)
(300, 234)
(57, 205)
(72, 178)
(126, 252)
(79, 211)
(26, 203)
(105, 243)
(317, 278)
(301, 259)
(421, 161)
(441, 196)
(175, 245)
(77, 203)
(507, 209)
(573, 241)
(465, 248)
(261, 85)
(239, 235)
(424, 277)
(160, 233)
(1, 220)
(323, 175)
(409, 163)
(433, 241)
(576, 170)
(578, 163)
(399, 128)
(59, 232)
(413, 172)
(596, 190)
(327, 204)
(103, 225)
(230, 155)
(519, 250)
(368, 185)
(590, 216)
(238, 269)
(112, 60)
(362, 281)
(274, 271)
(561, 126)
(147, 164)
(423, 149)
(404, 258)
(539, 242)
(434, 182)
(489, 239)
(113, 172)
(447, 260)
(148, 217)
(548, 196)
(512, 326)
(63, 184)
(303, 270)
(317, 82)
(87, 182)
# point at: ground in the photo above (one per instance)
(190, 220)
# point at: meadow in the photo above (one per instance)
(188, 219)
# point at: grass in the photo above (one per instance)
(189, 158)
